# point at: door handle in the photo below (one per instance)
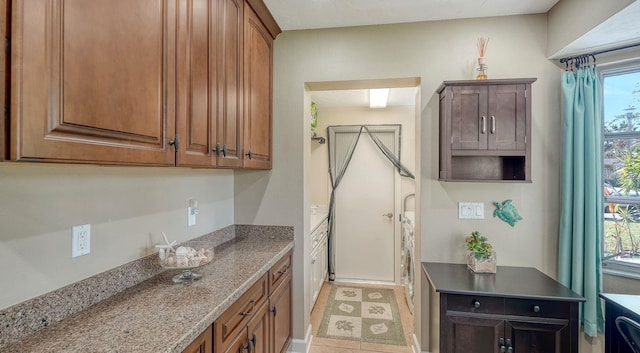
(484, 125)
(493, 124)
(388, 215)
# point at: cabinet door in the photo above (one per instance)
(258, 56)
(507, 117)
(202, 344)
(469, 121)
(197, 84)
(464, 334)
(230, 81)
(94, 81)
(281, 317)
(540, 337)
(259, 334)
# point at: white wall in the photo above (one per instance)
(127, 208)
(433, 51)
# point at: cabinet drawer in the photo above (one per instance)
(475, 304)
(278, 272)
(235, 319)
(538, 308)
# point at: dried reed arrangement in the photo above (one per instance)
(482, 46)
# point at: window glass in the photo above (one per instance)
(621, 168)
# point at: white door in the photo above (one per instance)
(364, 207)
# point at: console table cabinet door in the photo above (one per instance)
(93, 81)
(539, 337)
(258, 58)
(470, 333)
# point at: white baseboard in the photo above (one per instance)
(415, 347)
(301, 346)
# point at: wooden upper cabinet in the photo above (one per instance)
(197, 83)
(258, 61)
(488, 117)
(230, 84)
(93, 81)
(485, 130)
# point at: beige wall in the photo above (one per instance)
(320, 183)
(433, 51)
(571, 19)
(127, 208)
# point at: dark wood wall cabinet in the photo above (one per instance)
(485, 130)
(142, 82)
(517, 309)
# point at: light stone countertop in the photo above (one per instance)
(158, 316)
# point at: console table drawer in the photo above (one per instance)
(475, 304)
(538, 308)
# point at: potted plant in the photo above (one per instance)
(481, 257)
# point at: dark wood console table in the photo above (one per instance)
(618, 305)
(517, 309)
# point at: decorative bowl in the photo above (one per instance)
(185, 257)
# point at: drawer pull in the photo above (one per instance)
(250, 312)
(476, 304)
(536, 309)
(274, 311)
(253, 341)
(284, 270)
(501, 345)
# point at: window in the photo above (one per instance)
(621, 170)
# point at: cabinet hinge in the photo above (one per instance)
(175, 142)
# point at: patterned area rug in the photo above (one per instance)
(362, 314)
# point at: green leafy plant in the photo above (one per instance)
(479, 245)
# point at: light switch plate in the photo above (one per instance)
(470, 210)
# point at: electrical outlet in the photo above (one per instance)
(470, 210)
(80, 240)
(192, 212)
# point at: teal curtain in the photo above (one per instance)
(579, 254)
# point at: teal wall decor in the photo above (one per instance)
(507, 212)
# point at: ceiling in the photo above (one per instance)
(310, 14)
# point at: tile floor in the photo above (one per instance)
(327, 345)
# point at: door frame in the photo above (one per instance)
(396, 129)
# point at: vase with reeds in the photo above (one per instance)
(482, 66)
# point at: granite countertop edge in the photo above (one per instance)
(158, 316)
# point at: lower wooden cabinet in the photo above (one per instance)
(281, 316)
(202, 344)
(260, 321)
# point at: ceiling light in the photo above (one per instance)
(378, 98)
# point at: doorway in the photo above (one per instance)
(366, 237)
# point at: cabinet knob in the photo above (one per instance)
(224, 150)
(536, 309)
(476, 304)
(216, 149)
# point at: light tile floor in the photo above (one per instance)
(327, 345)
